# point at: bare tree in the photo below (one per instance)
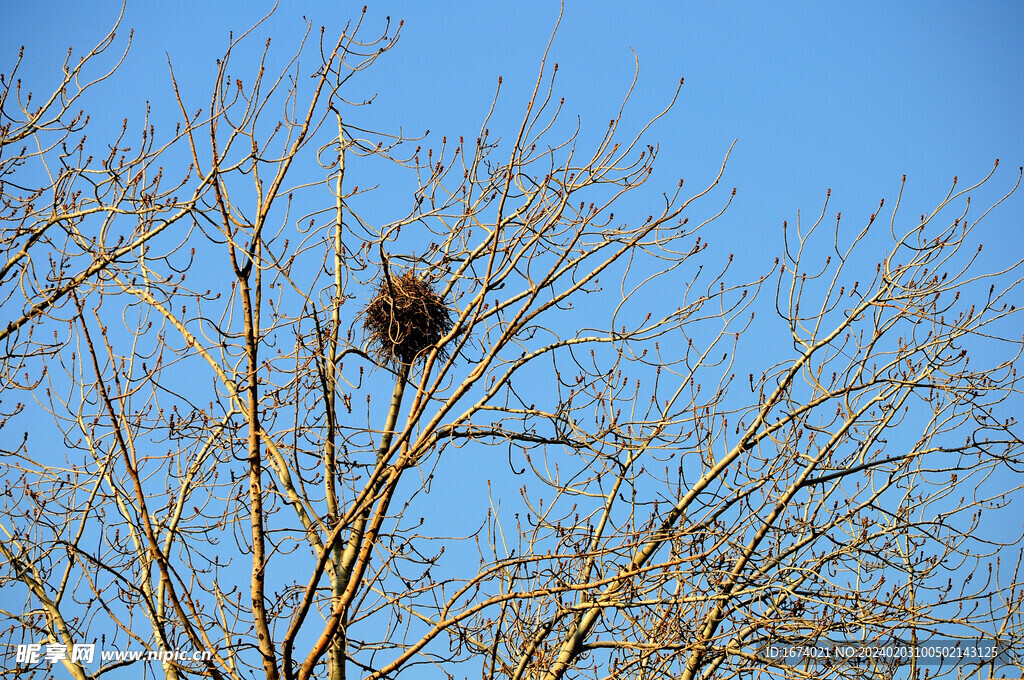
(255, 395)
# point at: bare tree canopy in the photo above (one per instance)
(251, 383)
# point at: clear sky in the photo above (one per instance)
(847, 96)
(841, 95)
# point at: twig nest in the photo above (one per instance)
(405, 318)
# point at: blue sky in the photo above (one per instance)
(842, 96)
(847, 96)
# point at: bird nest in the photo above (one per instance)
(405, 318)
